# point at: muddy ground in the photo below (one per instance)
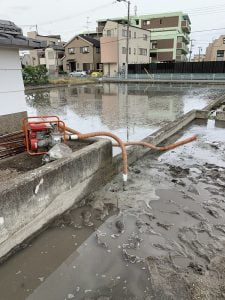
(162, 238)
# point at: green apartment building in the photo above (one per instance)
(169, 34)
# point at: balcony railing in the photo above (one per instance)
(186, 26)
(182, 46)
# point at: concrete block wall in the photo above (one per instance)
(32, 200)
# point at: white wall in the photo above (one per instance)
(12, 97)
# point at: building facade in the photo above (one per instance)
(198, 58)
(114, 47)
(51, 55)
(216, 50)
(12, 97)
(82, 52)
(169, 34)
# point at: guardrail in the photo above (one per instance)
(172, 77)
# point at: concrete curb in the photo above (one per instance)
(219, 82)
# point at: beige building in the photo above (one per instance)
(113, 47)
(50, 56)
(215, 51)
(169, 34)
(198, 58)
(82, 52)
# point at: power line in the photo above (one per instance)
(77, 15)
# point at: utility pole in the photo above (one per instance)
(199, 53)
(191, 47)
(128, 36)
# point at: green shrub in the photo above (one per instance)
(35, 75)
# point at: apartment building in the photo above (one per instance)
(169, 34)
(50, 56)
(114, 47)
(82, 52)
(215, 50)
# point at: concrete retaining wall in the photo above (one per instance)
(32, 200)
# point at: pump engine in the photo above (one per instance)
(42, 133)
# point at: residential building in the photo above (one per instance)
(12, 97)
(215, 50)
(51, 55)
(114, 47)
(169, 34)
(198, 58)
(82, 52)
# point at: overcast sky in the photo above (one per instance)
(69, 17)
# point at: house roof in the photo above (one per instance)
(91, 40)
(11, 35)
(87, 38)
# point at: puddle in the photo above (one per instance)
(131, 111)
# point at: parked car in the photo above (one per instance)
(96, 74)
(78, 74)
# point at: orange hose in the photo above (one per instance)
(103, 133)
(163, 148)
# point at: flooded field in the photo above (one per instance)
(163, 238)
(131, 111)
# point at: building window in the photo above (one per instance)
(142, 51)
(224, 40)
(160, 21)
(146, 22)
(129, 50)
(108, 33)
(84, 49)
(135, 35)
(97, 50)
(124, 50)
(134, 51)
(220, 55)
(124, 32)
(137, 22)
(145, 37)
(154, 44)
(71, 50)
(60, 55)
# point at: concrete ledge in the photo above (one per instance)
(136, 152)
(32, 200)
(219, 82)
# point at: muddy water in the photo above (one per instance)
(163, 238)
(132, 111)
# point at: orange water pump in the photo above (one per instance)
(42, 133)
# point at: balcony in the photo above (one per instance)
(185, 26)
(182, 46)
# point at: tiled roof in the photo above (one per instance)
(12, 35)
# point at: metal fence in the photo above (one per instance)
(211, 67)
